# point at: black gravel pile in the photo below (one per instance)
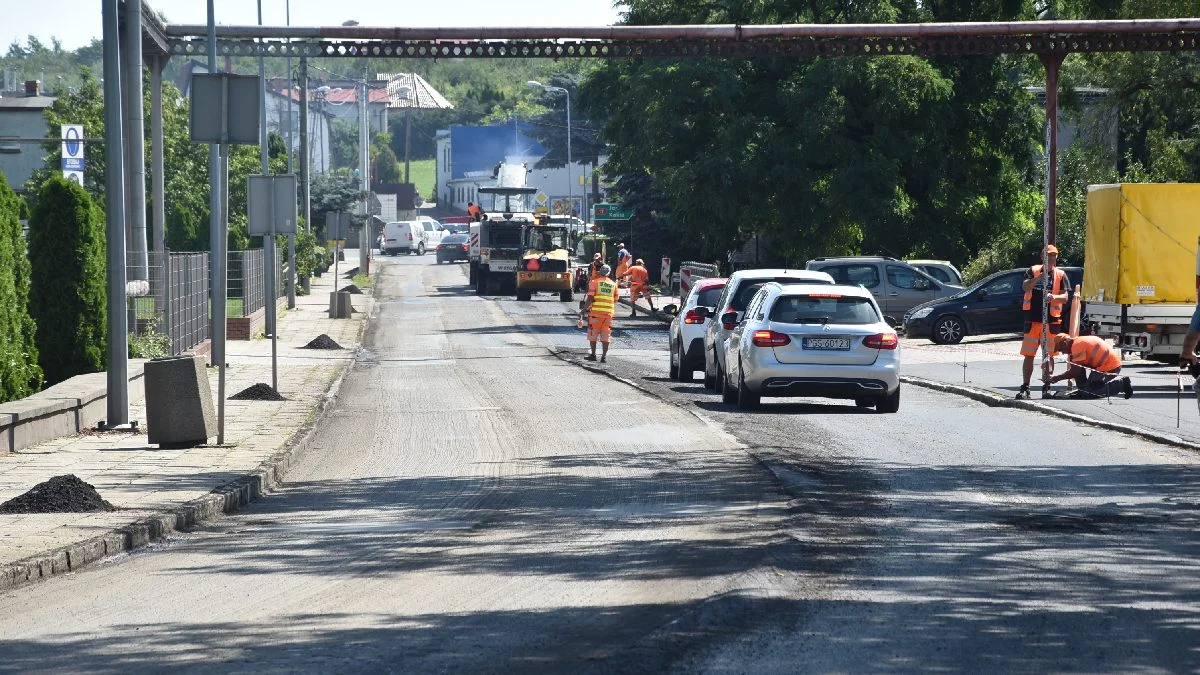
(61, 494)
(258, 392)
(352, 289)
(322, 341)
(350, 273)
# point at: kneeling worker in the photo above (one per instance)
(639, 286)
(1094, 354)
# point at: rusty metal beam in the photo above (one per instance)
(681, 47)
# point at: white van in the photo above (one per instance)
(403, 236)
(433, 231)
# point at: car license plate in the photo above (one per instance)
(828, 344)
(503, 265)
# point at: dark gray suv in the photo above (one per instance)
(896, 285)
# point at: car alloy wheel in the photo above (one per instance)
(746, 400)
(728, 394)
(949, 330)
(675, 363)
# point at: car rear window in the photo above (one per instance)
(822, 308)
(454, 239)
(709, 296)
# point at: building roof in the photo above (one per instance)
(340, 95)
(26, 102)
(409, 90)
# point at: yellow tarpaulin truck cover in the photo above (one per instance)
(1140, 244)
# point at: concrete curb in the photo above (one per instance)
(998, 401)
(225, 499)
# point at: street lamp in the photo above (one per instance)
(570, 179)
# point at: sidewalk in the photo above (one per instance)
(157, 491)
(988, 369)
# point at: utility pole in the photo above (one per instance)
(291, 240)
(364, 154)
(271, 306)
(217, 243)
(118, 327)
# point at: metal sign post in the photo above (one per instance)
(272, 211)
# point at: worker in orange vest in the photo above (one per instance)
(624, 261)
(639, 286)
(1035, 285)
(601, 304)
(1095, 366)
(474, 211)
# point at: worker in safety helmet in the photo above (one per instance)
(639, 286)
(1095, 366)
(1039, 283)
(601, 304)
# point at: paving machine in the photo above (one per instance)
(500, 232)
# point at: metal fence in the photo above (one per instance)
(174, 316)
(691, 271)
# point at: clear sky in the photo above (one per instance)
(76, 22)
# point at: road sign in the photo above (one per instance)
(337, 224)
(665, 272)
(272, 205)
(72, 152)
(224, 108)
(374, 206)
(613, 212)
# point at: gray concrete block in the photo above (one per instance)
(339, 305)
(179, 405)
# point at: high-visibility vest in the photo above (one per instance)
(604, 296)
(1056, 305)
(1095, 353)
(638, 275)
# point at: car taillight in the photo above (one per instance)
(410, 236)
(882, 341)
(769, 338)
(693, 316)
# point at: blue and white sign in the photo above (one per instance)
(72, 152)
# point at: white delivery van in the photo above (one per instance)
(403, 236)
(433, 232)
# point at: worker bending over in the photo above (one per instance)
(1095, 366)
(639, 286)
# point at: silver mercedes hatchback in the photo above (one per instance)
(812, 340)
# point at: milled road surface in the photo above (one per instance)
(473, 504)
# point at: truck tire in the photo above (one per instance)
(565, 296)
(473, 274)
(524, 295)
(482, 287)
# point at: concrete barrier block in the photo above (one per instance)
(179, 405)
(339, 305)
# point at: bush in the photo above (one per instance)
(20, 375)
(68, 295)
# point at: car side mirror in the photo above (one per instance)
(673, 310)
(981, 293)
(890, 320)
(705, 312)
(730, 318)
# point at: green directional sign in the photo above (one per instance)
(613, 212)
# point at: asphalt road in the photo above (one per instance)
(475, 504)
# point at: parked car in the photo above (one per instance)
(686, 333)
(812, 340)
(989, 306)
(403, 236)
(942, 270)
(454, 247)
(896, 285)
(433, 231)
(739, 288)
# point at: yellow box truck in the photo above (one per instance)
(1140, 265)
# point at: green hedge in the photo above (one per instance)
(68, 295)
(20, 375)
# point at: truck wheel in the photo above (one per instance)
(482, 287)
(565, 296)
(473, 275)
(524, 295)
(421, 249)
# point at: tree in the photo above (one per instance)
(330, 192)
(894, 155)
(67, 293)
(20, 374)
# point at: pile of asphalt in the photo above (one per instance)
(60, 494)
(258, 392)
(350, 273)
(322, 341)
(352, 289)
